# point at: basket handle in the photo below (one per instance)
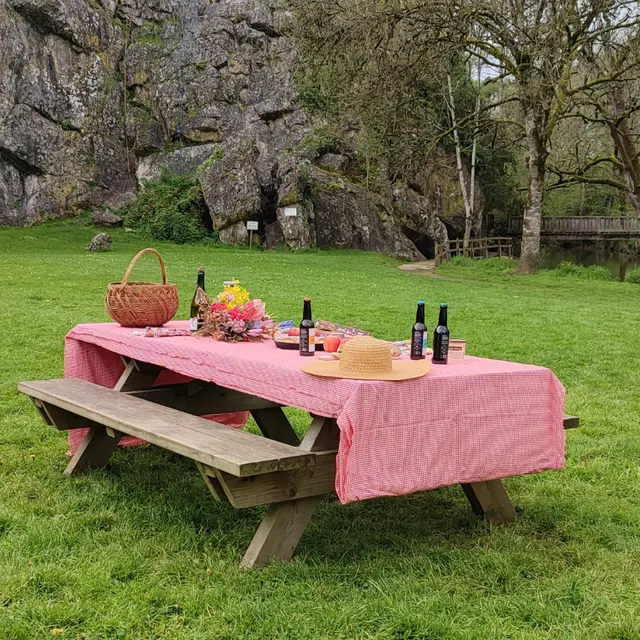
(133, 262)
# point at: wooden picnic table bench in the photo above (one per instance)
(237, 466)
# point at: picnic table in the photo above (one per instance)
(471, 423)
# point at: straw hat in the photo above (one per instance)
(366, 358)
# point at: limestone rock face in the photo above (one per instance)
(230, 184)
(99, 96)
(351, 217)
(416, 212)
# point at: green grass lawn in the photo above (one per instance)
(141, 551)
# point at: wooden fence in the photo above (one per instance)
(579, 226)
(478, 248)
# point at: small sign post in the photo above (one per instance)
(252, 225)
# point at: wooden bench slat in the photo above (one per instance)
(236, 452)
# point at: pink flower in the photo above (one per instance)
(237, 313)
(238, 326)
(218, 307)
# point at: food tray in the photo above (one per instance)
(293, 342)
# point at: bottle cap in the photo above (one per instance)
(307, 299)
(201, 269)
(420, 301)
(443, 304)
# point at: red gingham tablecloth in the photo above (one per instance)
(470, 421)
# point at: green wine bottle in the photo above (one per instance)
(195, 318)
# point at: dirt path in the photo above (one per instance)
(425, 268)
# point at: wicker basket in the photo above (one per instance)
(142, 304)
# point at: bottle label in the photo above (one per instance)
(444, 347)
(307, 340)
(418, 343)
(193, 324)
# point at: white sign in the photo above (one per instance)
(290, 211)
(252, 225)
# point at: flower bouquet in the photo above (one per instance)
(234, 317)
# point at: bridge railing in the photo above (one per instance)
(580, 225)
(478, 248)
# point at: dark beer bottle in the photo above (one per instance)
(419, 334)
(307, 331)
(195, 317)
(441, 338)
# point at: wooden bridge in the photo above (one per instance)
(582, 227)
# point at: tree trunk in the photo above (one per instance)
(468, 205)
(530, 248)
(471, 219)
(623, 140)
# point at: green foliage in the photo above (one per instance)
(482, 265)
(594, 272)
(584, 200)
(314, 93)
(171, 209)
(633, 276)
(321, 140)
(141, 551)
(216, 155)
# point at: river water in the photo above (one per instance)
(551, 257)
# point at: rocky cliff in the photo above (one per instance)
(98, 96)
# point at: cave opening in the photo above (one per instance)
(424, 244)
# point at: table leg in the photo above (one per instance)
(274, 425)
(490, 499)
(100, 443)
(284, 523)
(280, 531)
(95, 450)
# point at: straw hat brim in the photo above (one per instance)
(402, 370)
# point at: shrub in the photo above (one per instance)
(171, 209)
(597, 272)
(492, 265)
(594, 272)
(634, 276)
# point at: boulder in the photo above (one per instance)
(333, 162)
(100, 242)
(236, 234)
(230, 184)
(106, 218)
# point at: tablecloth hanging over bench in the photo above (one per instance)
(466, 422)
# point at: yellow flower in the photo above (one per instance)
(233, 295)
(56, 631)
